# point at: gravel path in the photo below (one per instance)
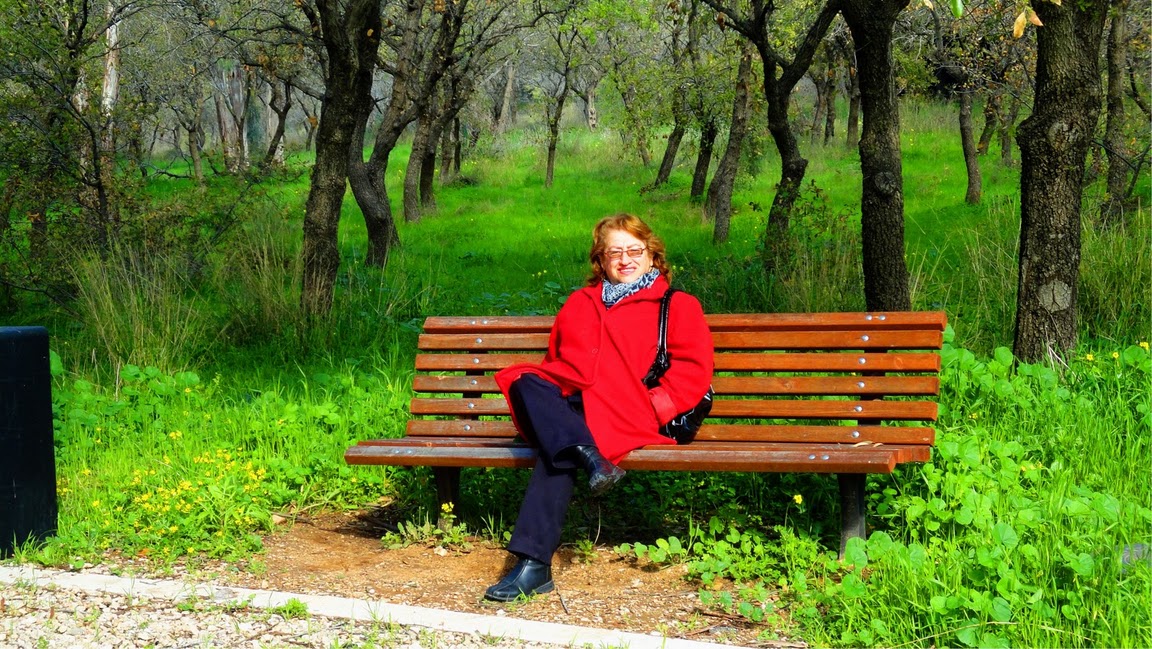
(42, 609)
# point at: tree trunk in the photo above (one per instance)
(447, 145)
(991, 119)
(708, 135)
(830, 115)
(428, 173)
(457, 148)
(591, 116)
(506, 105)
(882, 198)
(1054, 143)
(718, 206)
(1114, 144)
(634, 132)
(194, 151)
(968, 144)
(820, 82)
(852, 130)
(1007, 124)
(669, 159)
(420, 144)
(109, 96)
(555, 110)
(280, 103)
(347, 101)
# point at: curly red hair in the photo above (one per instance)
(634, 226)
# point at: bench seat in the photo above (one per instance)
(842, 393)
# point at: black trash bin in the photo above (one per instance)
(27, 459)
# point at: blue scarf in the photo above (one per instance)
(613, 293)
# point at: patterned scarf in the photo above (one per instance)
(613, 293)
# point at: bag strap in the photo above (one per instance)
(662, 341)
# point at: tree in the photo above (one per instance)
(553, 80)
(1054, 142)
(350, 32)
(718, 207)
(1114, 131)
(473, 31)
(422, 43)
(882, 196)
(781, 74)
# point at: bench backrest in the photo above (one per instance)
(825, 378)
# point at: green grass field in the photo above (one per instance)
(190, 406)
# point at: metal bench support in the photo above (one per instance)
(447, 491)
(851, 508)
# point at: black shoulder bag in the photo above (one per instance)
(684, 426)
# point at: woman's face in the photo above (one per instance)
(619, 264)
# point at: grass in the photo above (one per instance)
(193, 403)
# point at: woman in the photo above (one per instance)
(585, 406)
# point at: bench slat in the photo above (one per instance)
(930, 320)
(905, 453)
(708, 432)
(724, 362)
(880, 459)
(855, 339)
(798, 385)
(723, 408)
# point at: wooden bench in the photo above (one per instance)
(820, 393)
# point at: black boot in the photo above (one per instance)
(528, 577)
(602, 474)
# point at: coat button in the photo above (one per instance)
(595, 350)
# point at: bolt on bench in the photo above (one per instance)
(818, 392)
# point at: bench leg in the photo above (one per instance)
(851, 508)
(447, 491)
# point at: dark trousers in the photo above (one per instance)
(554, 424)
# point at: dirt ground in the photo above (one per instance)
(341, 554)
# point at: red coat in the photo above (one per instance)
(605, 353)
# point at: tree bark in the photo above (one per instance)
(421, 142)
(968, 144)
(428, 174)
(351, 39)
(830, 114)
(852, 130)
(669, 159)
(194, 151)
(448, 139)
(708, 135)
(504, 120)
(555, 110)
(280, 103)
(882, 198)
(1054, 142)
(992, 109)
(1114, 144)
(718, 206)
(1007, 124)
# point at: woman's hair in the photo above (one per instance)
(634, 226)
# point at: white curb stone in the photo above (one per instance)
(347, 608)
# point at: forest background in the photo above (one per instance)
(226, 318)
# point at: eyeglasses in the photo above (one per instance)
(617, 253)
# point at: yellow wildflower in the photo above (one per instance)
(1089, 357)
(798, 499)
(1115, 355)
(96, 504)
(1144, 344)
